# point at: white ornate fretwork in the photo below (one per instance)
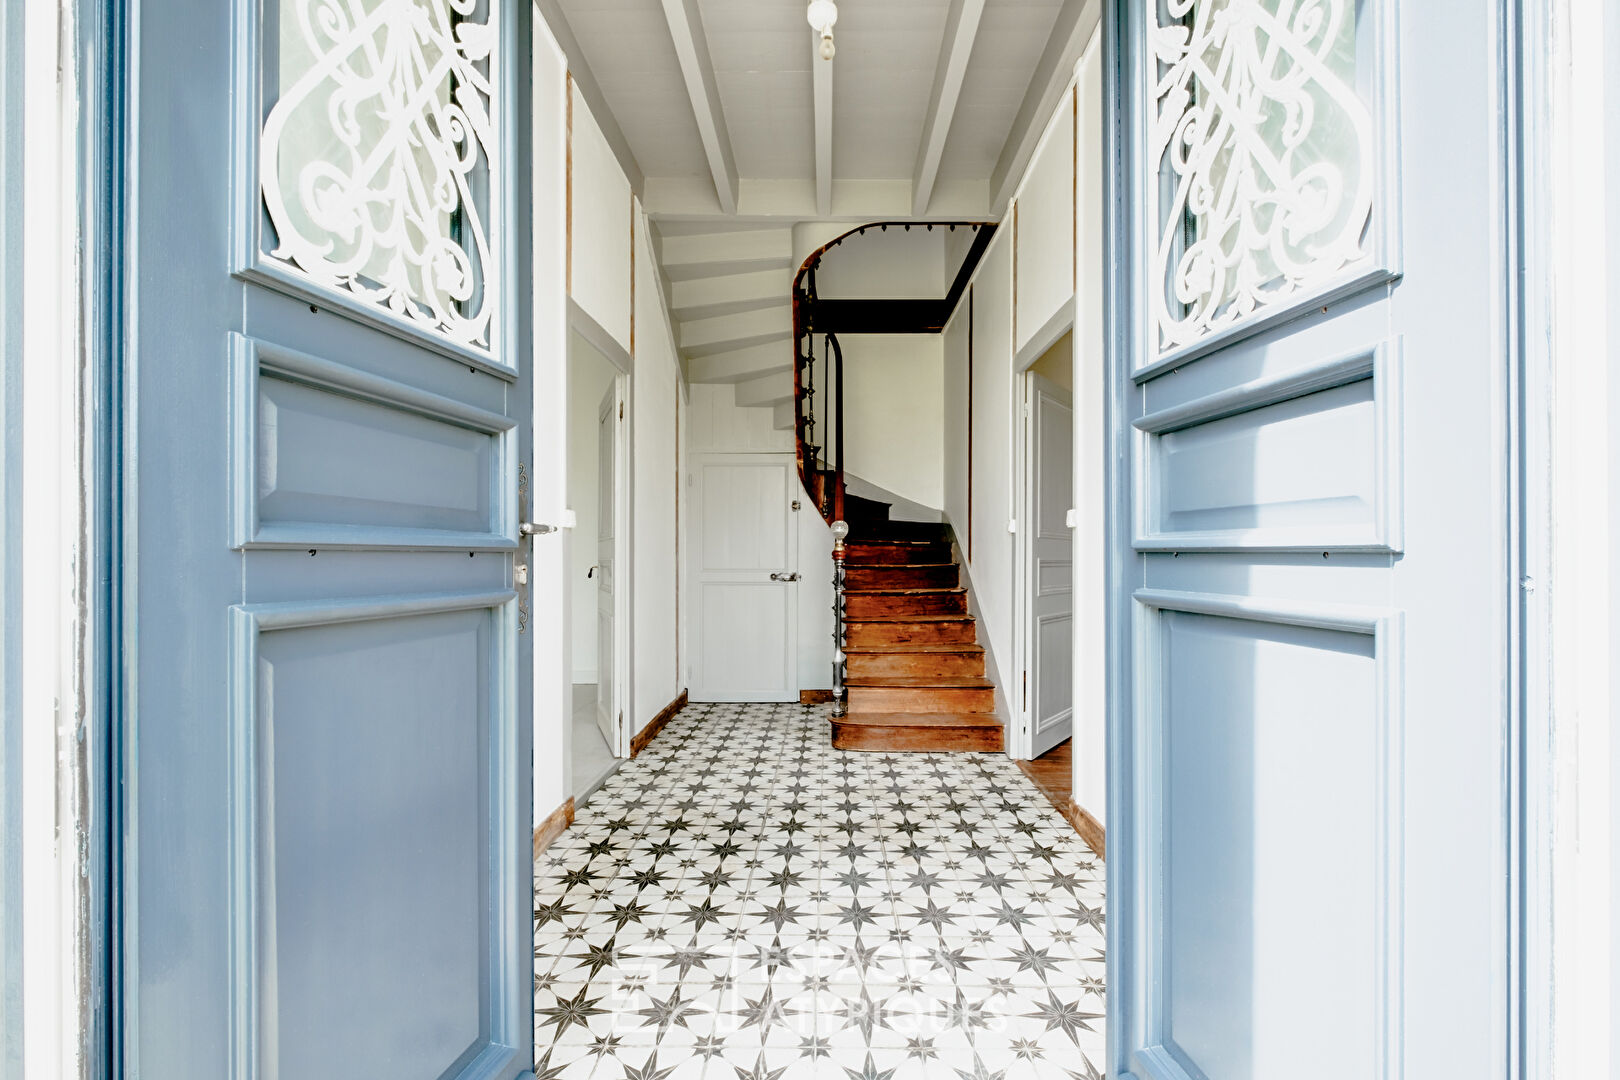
(1265, 151)
(378, 155)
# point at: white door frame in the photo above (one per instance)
(1021, 741)
(620, 682)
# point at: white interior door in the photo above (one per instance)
(1050, 581)
(744, 573)
(607, 504)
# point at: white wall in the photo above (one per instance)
(1044, 221)
(954, 459)
(815, 600)
(549, 570)
(889, 264)
(1057, 362)
(1090, 453)
(655, 678)
(894, 402)
(589, 377)
(1057, 248)
(599, 234)
(958, 244)
(991, 563)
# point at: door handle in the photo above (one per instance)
(535, 528)
(592, 572)
(785, 576)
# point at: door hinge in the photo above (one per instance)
(795, 506)
(1026, 691)
(621, 410)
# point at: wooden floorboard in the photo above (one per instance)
(1053, 774)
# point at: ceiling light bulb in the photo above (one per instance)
(827, 47)
(822, 15)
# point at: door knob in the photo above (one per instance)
(785, 576)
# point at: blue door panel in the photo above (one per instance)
(326, 748)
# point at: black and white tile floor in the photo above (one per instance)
(743, 902)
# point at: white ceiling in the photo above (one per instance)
(749, 83)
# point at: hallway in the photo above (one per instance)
(743, 901)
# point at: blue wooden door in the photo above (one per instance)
(1309, 840)
(326, 762)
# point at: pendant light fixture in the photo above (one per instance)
(822, 14)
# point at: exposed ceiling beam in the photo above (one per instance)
(823, 79)
(692, 48)
(961, 28)
(551, 11)
(1075, 22)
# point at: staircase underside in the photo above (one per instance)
(916, 673)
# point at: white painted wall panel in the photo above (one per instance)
(992, 545)
(655, 488)
(599, 246)
(719, 425)
(1090, 451)
(955, 435)
(1045, 227)
(548, 491)
(815, 600)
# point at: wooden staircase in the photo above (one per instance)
(915, 674)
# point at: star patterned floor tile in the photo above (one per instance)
(742, 902)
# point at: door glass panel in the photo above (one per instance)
(377, 155)
(1264, 145)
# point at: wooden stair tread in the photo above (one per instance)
(900, 565)
(906, 592)
(922, 682)
(906, 618)
(964, 647)
(894, 541)
(935, 720)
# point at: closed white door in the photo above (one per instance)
(744, 573)
(607, 503)
(1051, 565)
